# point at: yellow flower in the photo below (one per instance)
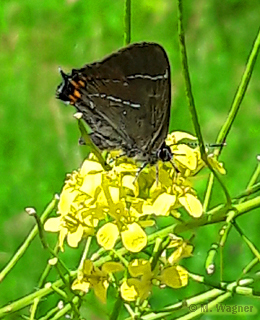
(97, 278)
(161, 206)
(177, 136)
(192, 204)
(182, 249)
(69, 226)
(133, 237)
(140, 286)
(186, 197)
(126, 202)
(75, 219)
(107, 235)
(175, 277)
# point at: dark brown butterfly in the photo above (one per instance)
(125, 99)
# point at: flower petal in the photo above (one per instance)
(111, 266)
(107, 235)
(100, 290)
(67, 198)
(139, 267)
(90, 183)
(74, 238)
(134, 238)
(129, 291)
(192, 205)
(53, 224)
(161, 206)
(90, 166)
(175, 277)
(186, 156)
(80, 285)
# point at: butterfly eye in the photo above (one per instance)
(164, 153)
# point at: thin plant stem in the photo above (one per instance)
(240, 93)
(50, 314)
(191, 103)
(247, 241)
(34, 308)
(185, 70)
(210, 305)
(254, 178)
(127, 31)
(41, 283)
(85, 253)
(230, 219)
(47, 269)
(20, 252)
(89, 143)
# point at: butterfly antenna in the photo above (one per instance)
(63, 74)
(216, 145)
(209, 145)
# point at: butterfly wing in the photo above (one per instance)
(125, 98)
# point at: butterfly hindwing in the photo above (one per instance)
(125, 98)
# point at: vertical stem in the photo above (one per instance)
(20, 252)
(127, 32)
(190, 99)
(240, 93)
(185, 70)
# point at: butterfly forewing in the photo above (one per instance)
(125, 98)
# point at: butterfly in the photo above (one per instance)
(125, 99)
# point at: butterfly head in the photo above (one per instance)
(68, 91)
(164, 153)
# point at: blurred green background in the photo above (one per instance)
(39, 135)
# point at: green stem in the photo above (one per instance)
(85, 253)
(247, 241)
(250, 266)
(47, 269)
(191, 103)
(208, 192)
(127, 31)
(249, 191)
(235, 107)
(28, 240)
(185, 70)
(240, 93)
(50, 314)
(93, 147)
(200, 310)
(34, 308)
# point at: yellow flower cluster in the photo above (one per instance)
(124, 202)
(118, 205)
(141, 277)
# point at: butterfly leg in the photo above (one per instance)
(144, 164)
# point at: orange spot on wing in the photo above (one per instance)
(77, 94)
(72, 98)
(74, 83)
(81, 83)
